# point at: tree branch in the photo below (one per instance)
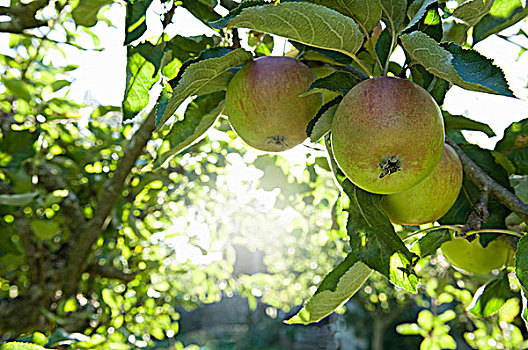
(105, 202)
(483, 181)
(111, 272)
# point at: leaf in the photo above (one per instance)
(85, 13)
(383, 46)
(20, 346)
(514, 145)
(429, 243)
(469, 194)
(200, 115)
(44, 229)
(339, 81)
(465, 68)
(335, 289)
(503, 14)
(489, 298)
(321, 124)
(521, 262)
(17, 87)
(472, 11)
(143, 63)
(198, 75)
(373, 239)
(183, 47)
(307, 23)
(459, 122)
(17, 146)
(135, 20)
(204, 12)
(394, 14)
(18, 200)
(417, 10)
(436, 86)
(367, 13)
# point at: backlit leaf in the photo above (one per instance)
(472, 11)
(85, 13)
(503, 14)
(490, 297)
(459, 122)
(135, 20)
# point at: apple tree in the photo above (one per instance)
(85, 206)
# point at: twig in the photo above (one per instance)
(112, 272)
(479, 214)
(483, 181)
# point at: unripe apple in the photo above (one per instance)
(430, 199)
(387, 135)
(263, 104)
(473, 257)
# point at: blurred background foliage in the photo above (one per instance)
(212, 250)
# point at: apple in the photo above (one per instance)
(387, 135)
(430, 199)
(263, 103)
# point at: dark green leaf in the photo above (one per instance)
(16, 147)
(489, 298)
(59, 84)
(85, 13)
(366, 13)
(514, 145)
(373, 239)
(465, 68)
(307, 23)
(103, 110)
(471, 12)
(143, 63)
(394, 14)
(503, 14)
(335, 289)
(201, 11)
(383, 46)
(321, 124)
(200, 115)
(184, 48)
(198, 75)
(222, 22)
(459, 122)
(417, 10)
(135, 21)
(44, 229)
(339, 81)
(429, 243)
(436, 86)
(521, 270)
(320, 55)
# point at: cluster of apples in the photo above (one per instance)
(387, 133)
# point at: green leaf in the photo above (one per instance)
(17, 146)
(184, 48)
(425, 320)
(417, 10)
(459, 122)
(373, 239)
(143, 63)
(18, 200)
(321, 124)
(514, 145)
(201, 10)
(339, 81)
(59, 84)
(307, 23)
(198, 75)
(85, 13)
(44, 229)
(470, 194)
(17, 87)
(200, 115)
(366, 13)
(436, 86)
(503, 14)
(472, 11)
(429, 243)
(383, 46)
(521, 262)
(135, 20)
(335, 289)
(465, 68)
(20, 346)
(489, 298)
(394, 14)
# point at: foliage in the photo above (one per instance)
(114, 224)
